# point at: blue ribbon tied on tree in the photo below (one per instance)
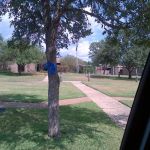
(51, 68)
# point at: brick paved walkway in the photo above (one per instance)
(118, 112)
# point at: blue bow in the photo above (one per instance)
(51, 67)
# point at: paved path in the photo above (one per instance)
(42, 105)
(45, 79)
(118, 112)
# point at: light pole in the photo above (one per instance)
(77, 61)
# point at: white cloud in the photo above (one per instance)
(5, 28)
(83, 48)
(94, 25)
(6, 18)
(82, 51)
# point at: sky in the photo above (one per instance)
(83, 46)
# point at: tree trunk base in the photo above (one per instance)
(57, 136)
(53, 107)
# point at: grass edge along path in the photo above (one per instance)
(109, 93)
(127, 102)
(35, 92)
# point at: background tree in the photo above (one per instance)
(134, 40)
(22, 53)
(140, 22)
(2, 46)
(96, 49)
(69, 61)
(104, 52)
(3, 49)
(1, 39)
(123, 51)
(50, 22)
(132, 54)
(134, 58)
(110, 53)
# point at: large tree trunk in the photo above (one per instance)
(136, 72)
(130, 74)
(104, 69)
(53, 97)
(51, 27)
(20, 68)
(53, 106)
(129, 69)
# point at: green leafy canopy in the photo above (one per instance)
(21, 52)
(69, 17)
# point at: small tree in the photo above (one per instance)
(134, 58)
(96, 49)
(129, 60)
(69, 61)
(124, 51)
(104, 52)
(131, 54)
(3, 49)
(22, 53)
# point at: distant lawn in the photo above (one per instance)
(73, 77)
(68, 90)
(15, 77)
(83, 127)
(30, 88)
(113, 87)
(122, 77)
(127, 102)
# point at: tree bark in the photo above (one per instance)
(104, 69)
(53, 97)
(130, 74)
(129, 69)
(53, 107)
(20, 68)
(51, 27)
(136, 71)
(88, 76)
(53, 89)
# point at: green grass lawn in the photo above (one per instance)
(30, 88)
(73, 77)
(15, 77)
(113, 87)
(68, 90)
(83, 127)
(127, 102)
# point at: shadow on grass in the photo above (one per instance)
(29, 127)
(7, 73)
(20, 98)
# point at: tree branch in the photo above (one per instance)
(100, 18)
